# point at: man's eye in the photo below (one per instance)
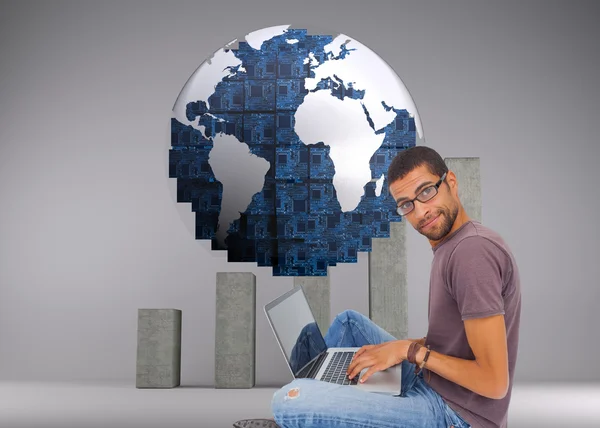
(427, 191)
(405, 205)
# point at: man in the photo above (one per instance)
(466, 362)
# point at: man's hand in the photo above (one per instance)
(377, 358)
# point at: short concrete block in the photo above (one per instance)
(158, 348)
(235, 334)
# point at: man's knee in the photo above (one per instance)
(286, 401)
(350, 315)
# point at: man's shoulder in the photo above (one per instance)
(475, 238)
(479, 243)
(487, 237)
(475, 233)
(479, 229)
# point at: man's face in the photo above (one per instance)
(434, 218)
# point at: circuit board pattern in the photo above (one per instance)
(295, 224)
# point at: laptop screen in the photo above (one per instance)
(295, 329)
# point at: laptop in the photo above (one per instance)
(306, 353)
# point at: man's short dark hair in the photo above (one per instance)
(412, 158)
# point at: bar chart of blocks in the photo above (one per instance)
(159, 330)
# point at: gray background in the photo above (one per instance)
(90, 232)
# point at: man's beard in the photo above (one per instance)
(445, 223)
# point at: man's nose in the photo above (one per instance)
(421, 210)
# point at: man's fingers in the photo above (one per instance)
(356, 367)
(356, 360)
(362, 350)
(361, 359)
(352, 368)
(368, 373)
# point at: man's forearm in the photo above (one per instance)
(466, 373)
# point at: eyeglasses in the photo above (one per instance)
(425, 195)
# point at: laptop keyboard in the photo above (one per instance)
(336, 370)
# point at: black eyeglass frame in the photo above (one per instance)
(412, 201)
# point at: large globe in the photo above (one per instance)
(281, 142)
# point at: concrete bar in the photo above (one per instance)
(388, 288)
(158, 348)
(467, 171)
(235, 338)
(318, 294)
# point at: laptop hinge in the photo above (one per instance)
(312, 368)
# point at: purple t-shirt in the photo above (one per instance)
(473, 275)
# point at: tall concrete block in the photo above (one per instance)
(318, 294)
(158, 348)
(388, 288)
(467, 171)
(235, 335)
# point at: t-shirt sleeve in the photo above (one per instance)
(477, 269)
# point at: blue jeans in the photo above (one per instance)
(308, 345)
(305, 403)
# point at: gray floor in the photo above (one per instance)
(83, 405)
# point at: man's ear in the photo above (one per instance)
(452, 182)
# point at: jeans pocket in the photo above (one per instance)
(454, 419)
